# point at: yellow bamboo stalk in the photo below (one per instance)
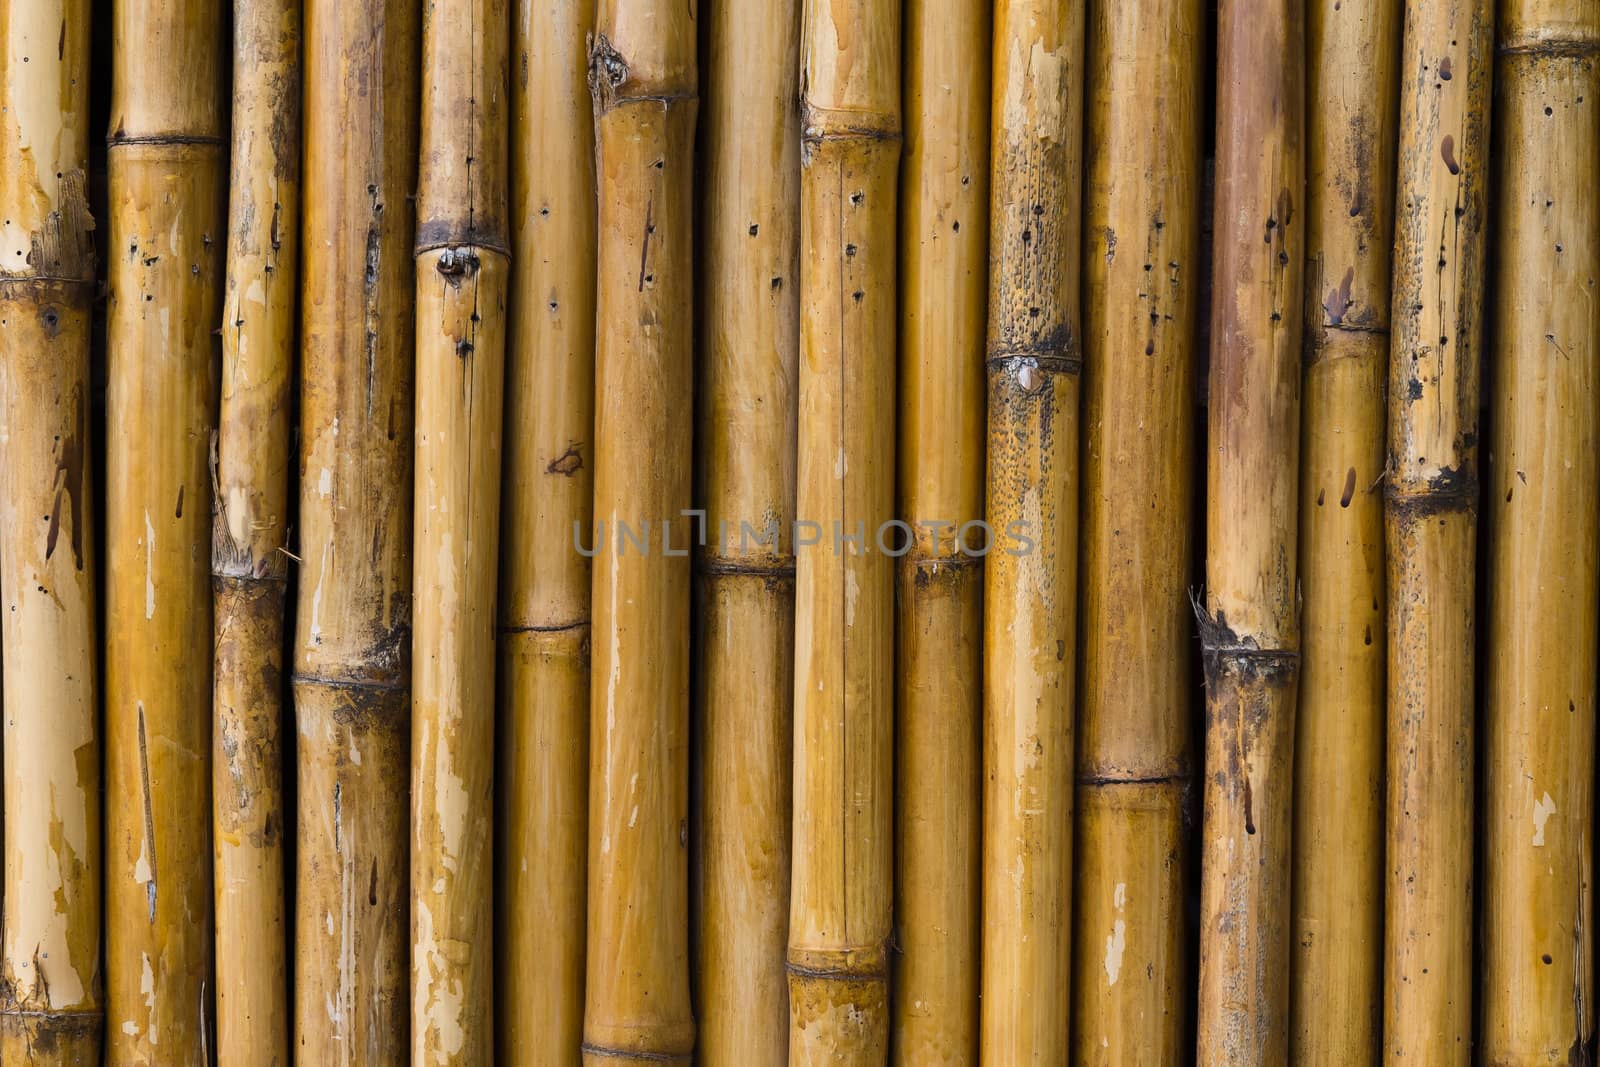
(750, 316)
(642, 70)
(1249, 624)
(463, 272)
(167, 166)
(1430, 527)
(1544, 523)
(944, 251)
(543, 687)
(352, 644)
(50, 974)
(1030, 576)
(1337, 915)
(1142, 279)
(248, 566)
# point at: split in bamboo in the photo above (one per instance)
(463, 270)
(642, 71)
(352, 645)
(248, 567)
(542, 779)
(1142, 278)
(1544, 527)
(944, 259)
(50, 974)
(167, 164)
(1249, 622)
(842, 885)
(1430, 527)
(750, 314)
(1034, 360)
(1337, 914)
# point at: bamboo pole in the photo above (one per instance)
(248, 567)
(543, 686)
(944, 254)
(1337, 914)
(352, 645)
(750, 315)
(1030, 577)
(1539, 699)
(50, 974)
(463, 269)
(1430, 529)
(167, 164)
(1142, 269)
(642, 71)
(842, 886)
(1249, 625)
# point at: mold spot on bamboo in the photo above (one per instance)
(569, 463)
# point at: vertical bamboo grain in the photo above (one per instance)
(542, 824)
(944, 256)
(462, 275)
(1352, 72)
(1034, 359)
(642, 71)
(1544, 505)
(1142, 269)
(50, 972)
(1249, 626)
(839, 913)
(1430, 527)
(352, 643)
(248, 568)
(750, 315)
(167, 165)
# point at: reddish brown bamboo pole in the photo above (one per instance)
(543, 686)
(352, 645)
(50, 973)
(749, 287)
(1249, 625)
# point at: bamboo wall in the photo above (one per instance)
(799, 531)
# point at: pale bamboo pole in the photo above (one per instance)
(1430, 527)
(642, 71)
(352, 644)
(541, 822)
(463, 270)
(1352, 72)
(750, 321)
(167, 163)
(1142, 269)
(50, 973)
(1249, 625)
(842, 886)
(1544, 524)
(248, 565)
(944, 255)
(1030, 576)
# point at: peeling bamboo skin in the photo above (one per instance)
(250, 527)
(1249, 624)
(352, 640)
(543, 684)
(643, 76)
(746, 397)
(944, 209)
(1538, 977)
(51, 994)
(1141, 268)
(1034, 356)
(1336, 976)
(842, 889)
(462, 277)
(1430, 528)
